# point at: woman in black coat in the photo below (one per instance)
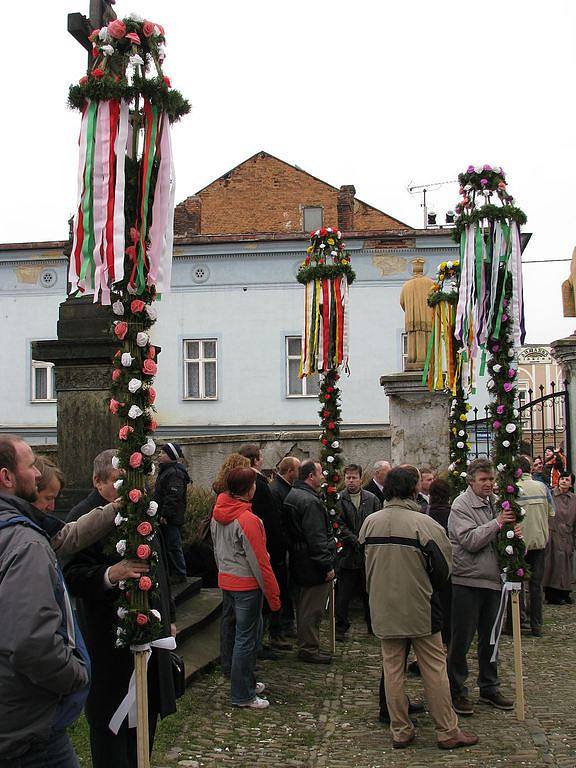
(439, 510)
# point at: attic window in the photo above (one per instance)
(313, 218)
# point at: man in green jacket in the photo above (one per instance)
(408, 559)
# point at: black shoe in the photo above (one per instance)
(537, 631)
(462, 706)
(267, 654)
(413, 668)
(415, 707)
(280, 644)
(567, 600)
(314, 658)
(405, 743)
(496, 700)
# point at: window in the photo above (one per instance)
(200, 378)
(313, 218)
(43, 382)
(309, 386)
(404, 350)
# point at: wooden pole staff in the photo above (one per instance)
(518, 655)
(333, 616)
(142, 733)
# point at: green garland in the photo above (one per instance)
(488, 212)
(326, 257)
(325, 271)
(331, 451)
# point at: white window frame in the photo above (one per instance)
(50, 391)
(404, 348)
(303, 380)
(201, 360)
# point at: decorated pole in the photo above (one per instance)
(490, 321)
(326, 275)
(122, 254)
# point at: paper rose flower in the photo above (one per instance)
(116, 374)
(134, 38)
(118, 308)
(121, 613)
(151, 395)
(501, 467)
(510, 428)
(117, 29)
(120, 329)
(134, 385)
(152, 508)
(143, 551)
(142, 338)
(136, 60)
(135, 495)
(506, 443)
(121, 547)
(118, 520)
(520, 572)
(509, 534)
(145, 583)
(330, 459)
(144, 528)
(126, 359)
(509, 489)
(135, 412)
(460, 444)
(149, 367)
(107, 50)
(151, 353)
(335, 444)
(141, 618)
(506, 505)
(151, 311)
(509, 550)
(156, 614)
(115, 462)
(497, 368)
(137, 305)
(500, 410)
(135, 460)
(114, 405)
(508, 386)
(518, 472)
(496, 424)
(149, 448)
(118, 483)
(148, 28)
(125, 431)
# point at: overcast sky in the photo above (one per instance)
(374, 94)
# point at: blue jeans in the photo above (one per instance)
(55, 752)
(248, 615)
(173, 539)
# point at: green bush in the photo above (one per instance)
(199, 504)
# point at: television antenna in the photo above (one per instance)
(423, 189)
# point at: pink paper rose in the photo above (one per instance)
(137, 305)
(121, 329)
(510, 489)
(116, 373)
(117, 29)
(143, 551)
(135, 495)
(134, 37)
(506, 505)
(135, 460)
(496, 424)
(141, 619)
(152, 426)
(114, 405)
(149, 367)
(125, 432)
(151, 395)
(500, 410)
(151, 352)
(144, 528)
(148, 29)
(508, 387)
(145, 583)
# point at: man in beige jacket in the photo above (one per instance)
(408, 558)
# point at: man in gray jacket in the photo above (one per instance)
(44, 666)
(473, 527)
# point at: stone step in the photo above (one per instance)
(185, 590)
(196, 613)
(201, 650)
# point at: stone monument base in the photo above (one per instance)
(419, 421)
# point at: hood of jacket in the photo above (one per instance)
(176, 467)
(13, 506)
(227, 509)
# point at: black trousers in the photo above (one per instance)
(474, 611)
(350, 582)
(533, 612)
(110, 751)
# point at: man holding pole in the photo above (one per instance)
(312, 555)
(473, 528)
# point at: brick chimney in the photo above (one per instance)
(346, 207)
(193, 206)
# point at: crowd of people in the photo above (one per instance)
(424, 570)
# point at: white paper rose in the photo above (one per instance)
(131, 289)
(490, 384)
(152, 508)
(134, 385)
(497, 368)
(126, 359)
(107, 50)
(501, 467)
(509, 550)
(335, 444)
(135, 412)
(462, 433)
(463, 474)
(510, 428)
(136, 17)
(136, 60)
(142, 338)
(509, 534)
(151, 311)
(460, 444)
(330, 459)
(118, 520)
(121, 547)
(118, 483)
(115, 462)
(104, 34)
(149, 448)
(506, 443)
(121, 613)
(121, 585)
(156, 613)
(118, 308)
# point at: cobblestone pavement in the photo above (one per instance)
(326, 717)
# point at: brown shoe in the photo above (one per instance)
(462, 706)
(404, 743)
(497, 700)
(464, 739)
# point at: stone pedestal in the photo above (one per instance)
(564, 351)
(419, 421)
(82, 358)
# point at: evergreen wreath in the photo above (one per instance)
(331, 451)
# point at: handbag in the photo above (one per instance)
(178, 674)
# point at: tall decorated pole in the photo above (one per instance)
(490, 321)
(326, 275)
(122, 254)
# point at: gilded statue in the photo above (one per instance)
(418, 315)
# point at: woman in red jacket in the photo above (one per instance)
(245, 576)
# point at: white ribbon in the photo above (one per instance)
(507, 587)
(128, 703)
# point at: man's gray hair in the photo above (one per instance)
(381, 463)
(478, 465)
(103, 465)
